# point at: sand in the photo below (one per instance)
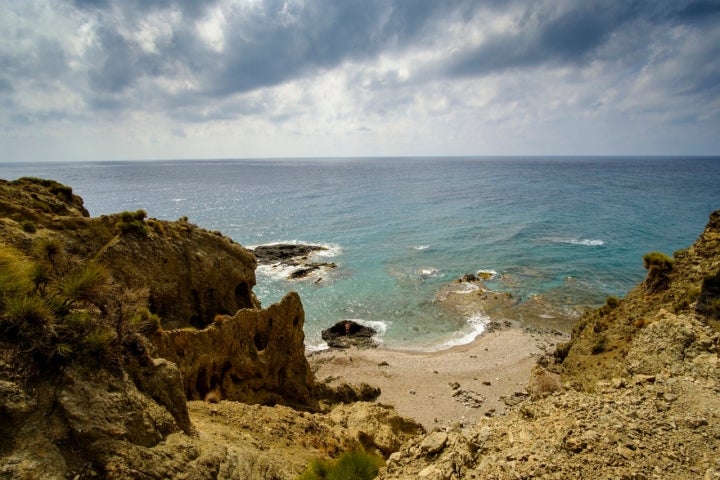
(457, 385)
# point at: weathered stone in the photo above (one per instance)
(255, 356)
(434, 442)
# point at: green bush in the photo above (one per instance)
(13, 273)
(659, 267)
(612, 302)
(48, 248)
(351, 465)
(28, 226)
(146, 322)
(88, 284)
(56, 188)
(657, 260)
(53, 318)
(599, 346)
(133, 223)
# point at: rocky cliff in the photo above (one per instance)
(109, 325)
(635, 394)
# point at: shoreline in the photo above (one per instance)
(460, 384)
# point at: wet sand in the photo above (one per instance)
(457, 385)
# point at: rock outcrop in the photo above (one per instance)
(295, 258)
(82, 391)
(254, 356)
(348, 333)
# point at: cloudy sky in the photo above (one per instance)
(165, 79)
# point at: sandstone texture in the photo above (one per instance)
(109, 325)
(254, 356)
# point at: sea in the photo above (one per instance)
(569, 230)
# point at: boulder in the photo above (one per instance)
(348, 333)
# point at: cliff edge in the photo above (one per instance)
(634, 394)
(109, 325)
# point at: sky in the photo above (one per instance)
(93, 80)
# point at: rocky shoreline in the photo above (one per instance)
(132, 347)
(298, 259)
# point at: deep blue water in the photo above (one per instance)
(402, 228)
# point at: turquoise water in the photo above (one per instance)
(570, 229)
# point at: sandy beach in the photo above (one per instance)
(457, 385)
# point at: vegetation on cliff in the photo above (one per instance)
(109, 325)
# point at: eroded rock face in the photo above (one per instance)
(191, 274)
(255, 356)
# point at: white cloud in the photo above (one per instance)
(298, 78)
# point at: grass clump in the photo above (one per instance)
(146, 322)
(351, 465)
(88, 284)
(28, 226)
(659, 267)
(708, 302)
(51, 317)
(56, 188)
(612, 302)
(599, 346)
(133, 223)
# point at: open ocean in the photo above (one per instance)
(572, 230)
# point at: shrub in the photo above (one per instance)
(89, 284)
(657, 260)
(599, 346)
(146, 322)
(27, 313)
(708, 302)
(351, 465)
(612, 302)
(54, 187)
(659, 267)
(28, 226)
(96, 344)
(133, 223)
(13, 273)
(48, 248)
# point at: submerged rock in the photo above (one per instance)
(284, 252)
(347, 333)
(296, 257)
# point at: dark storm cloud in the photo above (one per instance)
(576, 35)
(272, 42)
(265, 45)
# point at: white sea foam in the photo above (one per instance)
(329, 249)
(467, 287)
(487, 274)
(419, 247)
(476, 326)
(381, 327)
(309, 348)
(275, 271)
(583, 241)
(429, 272)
